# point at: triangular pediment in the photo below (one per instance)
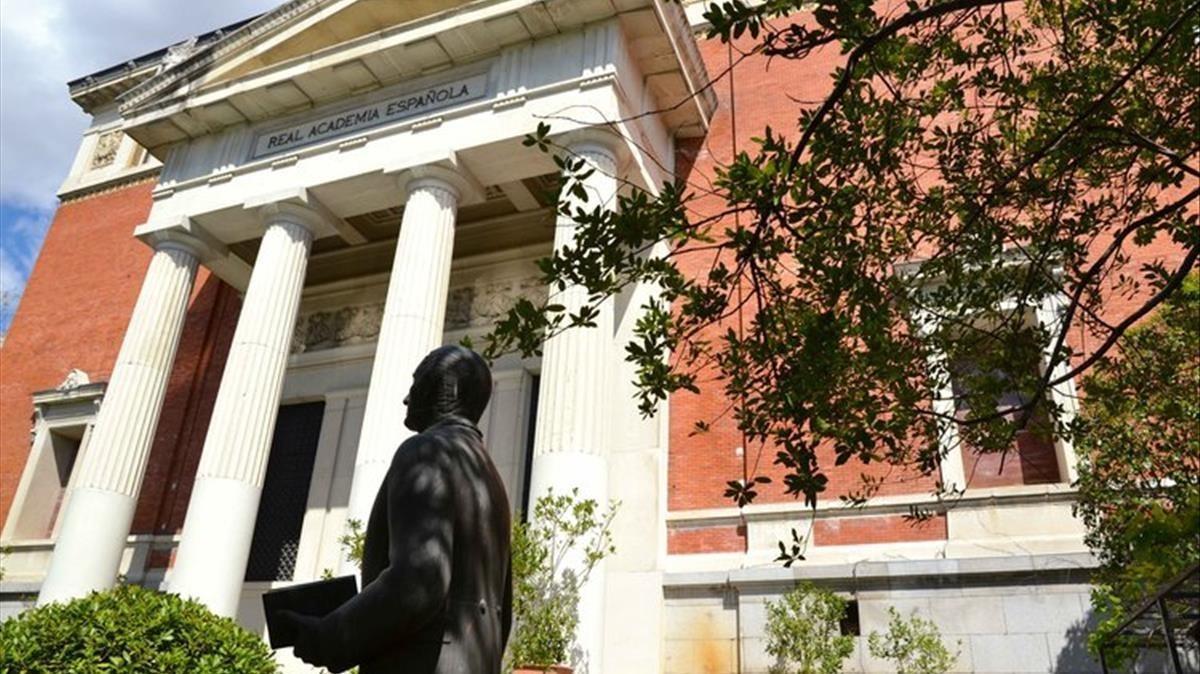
(337, 22)
(292, 31)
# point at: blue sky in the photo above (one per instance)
(43, 45)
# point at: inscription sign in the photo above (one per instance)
(391, 109)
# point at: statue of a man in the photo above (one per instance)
(437, 585)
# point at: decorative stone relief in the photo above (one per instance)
(179, 52)
(340, 327)
(106, 149)
(473, 306)
(481, 304)
(74, 379)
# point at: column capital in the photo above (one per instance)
(184, 235)
(187, 235)
(287, 212)
(593, 141)
(299, 206)
(444, 172)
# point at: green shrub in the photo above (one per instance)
(129, 629)
(804, 632)
(552, 557)
(914, 645)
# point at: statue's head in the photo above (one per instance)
(451, 380)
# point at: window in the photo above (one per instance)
(1032, 458)
(986, 374)
(285, 493)
(63, 421)
(49, 476)
(529, 434)
(849, 624)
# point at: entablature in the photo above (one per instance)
(309, 53)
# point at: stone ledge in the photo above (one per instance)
(914, 570)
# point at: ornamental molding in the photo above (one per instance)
(477, 305)
(74, 379)
(178, 53)
(198, 61)
(106, 149)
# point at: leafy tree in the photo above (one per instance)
(553, 555)
(972, 160)
(130, 629)
(913, 644)
(1139, 443)
(804, 633)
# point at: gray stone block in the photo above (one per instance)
(1042, 613)
(968, 615)
(1010, 654)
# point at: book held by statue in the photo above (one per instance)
(312, 599)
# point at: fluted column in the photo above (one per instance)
(570, 440)
(413, 316)
(211, 562)
(95, 526)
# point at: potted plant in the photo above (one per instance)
(553, 555)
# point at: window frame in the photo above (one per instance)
(1048, 314)
(72, 408)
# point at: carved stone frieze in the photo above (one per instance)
(468, 306)
(481, 304)
(340, 327)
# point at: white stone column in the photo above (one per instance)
(211, 562)
(95, 526)
(413, 316)
(570, 440)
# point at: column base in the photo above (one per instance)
(215, 547)
(91, 542)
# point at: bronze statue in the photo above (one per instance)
(437, 584)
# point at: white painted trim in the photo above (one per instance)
(910, 570)
(880, 505)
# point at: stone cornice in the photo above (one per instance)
(1075, 566)
(881, 505)
(108, 186)
(228, 45)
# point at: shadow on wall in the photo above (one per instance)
(1073, 657)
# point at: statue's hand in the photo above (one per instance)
(308, 642)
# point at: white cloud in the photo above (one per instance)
(43, 45)
(46, 43)
(12, 279)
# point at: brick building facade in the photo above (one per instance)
(184, 151)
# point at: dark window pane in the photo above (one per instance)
(285, 492)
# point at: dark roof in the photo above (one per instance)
(120, 70)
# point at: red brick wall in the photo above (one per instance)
(73, 314)
(720, 538)
(877, 529)
(699, 465)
